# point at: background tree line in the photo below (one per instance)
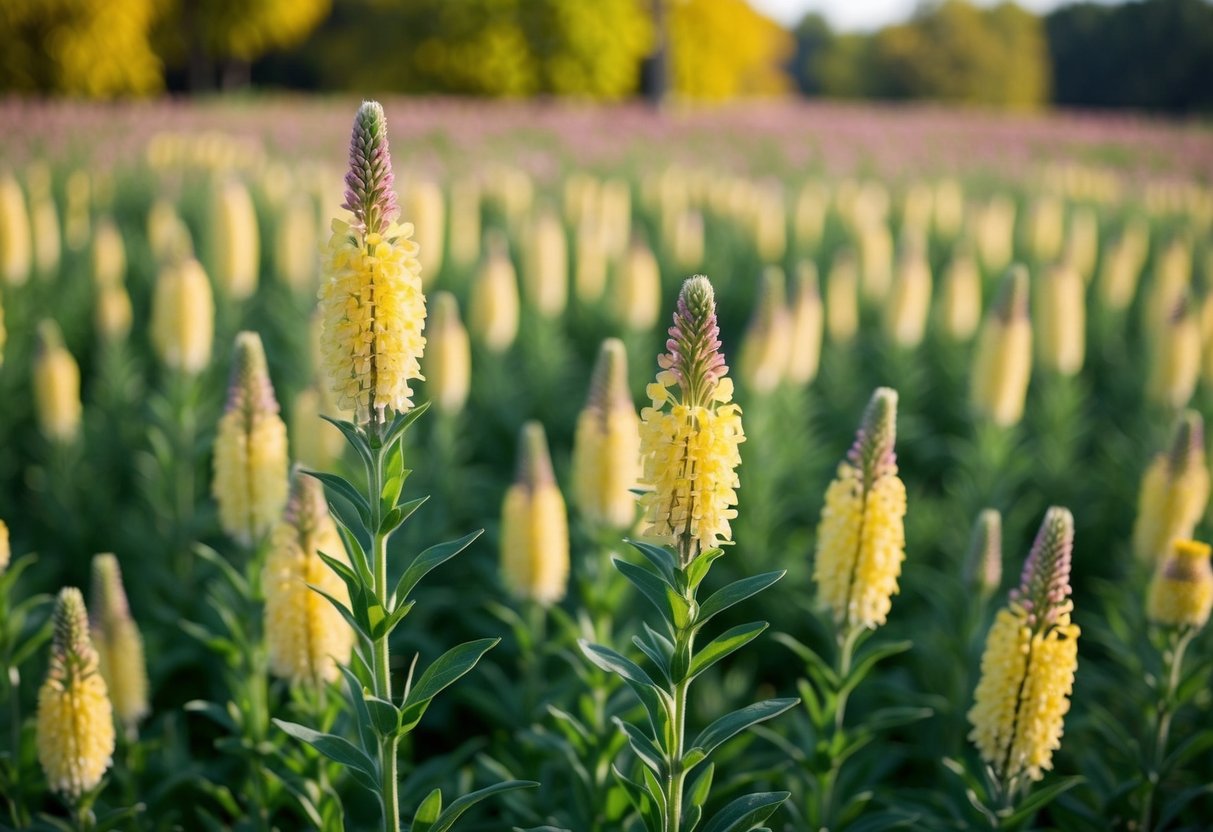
(1148, 54)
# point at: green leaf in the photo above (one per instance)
(429, 559)
(1040, 798)
(384, 715)
(644, 747)
(225, 568)
(354, 436)
(699, 785)
(700, 566)
(609, 660)
(445, 671)
(345, 611)
(362, 714)
(746, 813)
(447, 819)
(343, 487)
(736, 592)
(213, 711)
(655, 589)
(731, 724)
(864, 667)
(655, 655)
(427, 813)
(357, 553)
(641, 801)
(661, 558)
(402, 422)
(335, 748)
(727, 642)
(810, 657)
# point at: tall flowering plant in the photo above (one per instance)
(373, 313)
(689, 447)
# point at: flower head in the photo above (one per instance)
(493, 311)
(861, 537)
(250, 482)
(1028, 666)
(606, 446)
(75, 718)
(56, 386)
(371, 301)
(183, 317)
(690, 450)
(306, 637)
(1062, 320)
(534, 525)
(1002, 364)
(1181, 591)
(235, 246)
(1176, 357)
(960, 302)
(1174, 491)
(118, 642)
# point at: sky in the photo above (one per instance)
(863, 15)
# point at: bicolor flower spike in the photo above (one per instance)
(983, 562)
(1002, 364)
(1174, 491)
(250, 481)
(1181, 592)
(1027, 669)
(690, 435)
(371, 301)
(75, 719)
(534, 525)
(606, 445)
(119, 644)
(861, 537)
(305, 635)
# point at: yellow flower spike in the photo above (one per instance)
(235, 246)
(250, 477)
(56, 386)
(1002, 362)
(606, 445)
(448, 359)
(493, 311)
(371, 301)
(5, 550)
(1061, 320)
(167, 234)
(306, 637)
(994, 232)
(15, 234)
(1174, 491)
(108, 255)
(119, 644)
(75, 724)
(960, 300)
(764, 350)
(545, 278)
(770, 223)
(295, 243)
(1082, 243)
(183, 317)
(949, 212)
(1181, 591)
(1171, 283)
(909, 300)
(804, 343)
(425, 206)
(534, 525)
(44, 221)
(112, 313)
(861, 537)
(637, 290)
(590, 268)
(1175, 367)
(465, 221)
(1028, 665)
(842, 298)
(689, 439)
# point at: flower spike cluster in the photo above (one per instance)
(119, 644)
(690, 450)
(606, 445)
(250, 482)
(1174, 491)
(1027, 669)
(306, 637)
(534, 525)
(861, 538)
(371, 302)
(75, 718)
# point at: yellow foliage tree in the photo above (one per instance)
(723, 49)
(91, 48)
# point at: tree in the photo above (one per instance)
(91, 48)
(723, 48)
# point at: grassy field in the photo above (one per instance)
(939, 253)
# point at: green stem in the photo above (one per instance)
(380, 654)
(676, 777)
(1172, 669)
(844, 659)
(533, 673)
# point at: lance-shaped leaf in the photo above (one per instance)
(735, 593)
(445, 671)
(345, 489)
(453, 812)
(428, 560)
(337, 749)
(644, 747)
(745, 813)
(671, 606)
(727, 642)
(732, 724)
